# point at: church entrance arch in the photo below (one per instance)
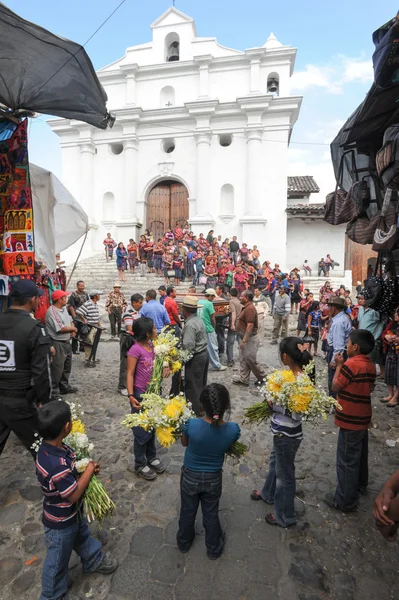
(167, 204)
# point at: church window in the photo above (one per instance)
(167, 96)
(168, 145)
(116, 148)
(225, 139)
(108, 207)
(227, 199)
(172, 47)
(273, 84)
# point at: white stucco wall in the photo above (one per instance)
(313, 240)
(216, 90)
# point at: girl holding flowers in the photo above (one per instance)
(140, 363)
(279, 488)
(207, 441)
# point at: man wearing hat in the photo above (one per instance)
(90, 315)
(207, 314)
(195, 339)
(338, 334)
(60, 327)
(24, 365)
(115, 305)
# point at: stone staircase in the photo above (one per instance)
(98, 274)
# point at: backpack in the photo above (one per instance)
(387, 159)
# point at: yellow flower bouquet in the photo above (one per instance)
(165, 416)
(297, 394)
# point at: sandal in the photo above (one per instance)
(255, 495)
(270, 520)
(392, 405)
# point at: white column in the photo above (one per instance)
(131, 83)
(254, 172)
(203, 198)
(204, 81)
(130, 153)
(87, 151)
(255, 76)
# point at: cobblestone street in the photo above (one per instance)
(328, 555)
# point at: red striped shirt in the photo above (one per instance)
(356, 380)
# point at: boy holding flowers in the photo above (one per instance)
(65, 526)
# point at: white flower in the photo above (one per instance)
(90, 448)
(82, 464)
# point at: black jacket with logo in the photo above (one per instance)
(24, 355)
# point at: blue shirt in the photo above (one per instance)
(155, 311)
(370, 319)
(162, 299)
(316, 318)
(207, 445)
(55, 470)
(339, 331)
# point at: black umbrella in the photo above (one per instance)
(41, 72)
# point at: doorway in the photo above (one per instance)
(167, 205)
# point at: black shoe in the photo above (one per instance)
(107, 566)
(329, 499)
(157, 466)
(71, 390)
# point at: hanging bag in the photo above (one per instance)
(386, 236)
(387, 159)
(386, 54)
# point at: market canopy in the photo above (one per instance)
(355, 146)
(59, 220)
(41, 72)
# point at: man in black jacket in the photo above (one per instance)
(25, 379)
(234, 248)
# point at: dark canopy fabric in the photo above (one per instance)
(354, 149)
(41, 72)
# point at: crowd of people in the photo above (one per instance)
(357, 342)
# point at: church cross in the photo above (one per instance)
(169, 103)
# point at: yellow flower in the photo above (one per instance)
(173, 410)
(173, 353)
(300, 399)
(165, 436)
(276, 380)
(176, 366)
(78, 426)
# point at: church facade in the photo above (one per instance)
(201, 135)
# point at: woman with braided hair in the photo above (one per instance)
(206, 441)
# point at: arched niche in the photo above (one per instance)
(273, 84)
(227, 199)
(167, 96)
(172, 47)
(108, 206)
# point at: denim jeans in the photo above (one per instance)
(144, 441)
(213, 350)
(352, 467)
(280, 484)
(231, 339)
(60, 543)
(196, 487)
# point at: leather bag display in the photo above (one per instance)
(386, 237)
(387, 159)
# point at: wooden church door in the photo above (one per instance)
(167, 205)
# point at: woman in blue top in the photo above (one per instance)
(121, 261)
(314, 324)
(206, 440)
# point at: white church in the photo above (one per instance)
(201, 135)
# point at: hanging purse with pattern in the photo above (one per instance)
(386, 236)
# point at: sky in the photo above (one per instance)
(333, 70)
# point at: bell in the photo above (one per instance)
(272, 86)
(173, 54)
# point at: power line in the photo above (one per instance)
(77, 51)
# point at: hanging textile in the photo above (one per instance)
(16, 215)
